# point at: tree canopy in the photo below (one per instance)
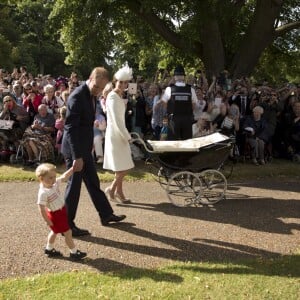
(30, 39)
(244, 37)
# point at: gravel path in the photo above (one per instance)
(257, 219)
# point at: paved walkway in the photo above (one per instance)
(258, 219)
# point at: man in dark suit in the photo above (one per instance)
(241, 99)
(77, 147)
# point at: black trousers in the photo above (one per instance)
(91, 180)
(180, 128)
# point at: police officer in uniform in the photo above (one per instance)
(180, 99)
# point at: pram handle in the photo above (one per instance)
(137, 138)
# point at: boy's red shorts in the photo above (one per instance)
(59, 219)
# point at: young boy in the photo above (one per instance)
(164, 130)
(52, 208)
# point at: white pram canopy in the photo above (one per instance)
(190, 145)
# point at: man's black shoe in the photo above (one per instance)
(79, 232)
(52, 253)
(112, 218)
(78, 255)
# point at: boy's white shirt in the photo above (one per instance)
(51, 197)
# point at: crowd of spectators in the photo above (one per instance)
(35, 107)
(264, 119)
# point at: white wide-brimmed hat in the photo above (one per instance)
(124, 74)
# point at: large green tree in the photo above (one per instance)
(221, 33)
(28, 38)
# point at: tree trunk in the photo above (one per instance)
(260, 35)
(212, 48)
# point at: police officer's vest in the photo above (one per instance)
(180, 103)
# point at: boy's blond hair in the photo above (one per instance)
(44, 169)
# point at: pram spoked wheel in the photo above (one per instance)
(184, 189)
(163, 178)
(214, 186)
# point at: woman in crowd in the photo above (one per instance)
(38, 139)
(17, 91)
(203, 126)
(59, 125)
(227, 121)
(52, 102)
(255, 127)
(200, 104)
(19, 117)
(31, 100)
(117, 153)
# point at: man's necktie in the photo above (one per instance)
(243, 106)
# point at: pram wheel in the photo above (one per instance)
(214, 186)
(184, 189)
(226, 167)
(162, 176)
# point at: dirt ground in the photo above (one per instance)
(257, 219)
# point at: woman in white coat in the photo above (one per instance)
(117, 153)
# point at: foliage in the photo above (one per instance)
(277, 169)
(151, 33)
(32, 40)
(242, 36)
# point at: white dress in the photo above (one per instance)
(117, 153)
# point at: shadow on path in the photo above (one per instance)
(260, 214)
(198, 250)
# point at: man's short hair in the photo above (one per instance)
(99, 72)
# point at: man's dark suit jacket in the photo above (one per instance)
(78, 131)
(238, 101)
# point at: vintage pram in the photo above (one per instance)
(190, 171)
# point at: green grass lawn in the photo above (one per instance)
(256, 279)
(142, 171)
